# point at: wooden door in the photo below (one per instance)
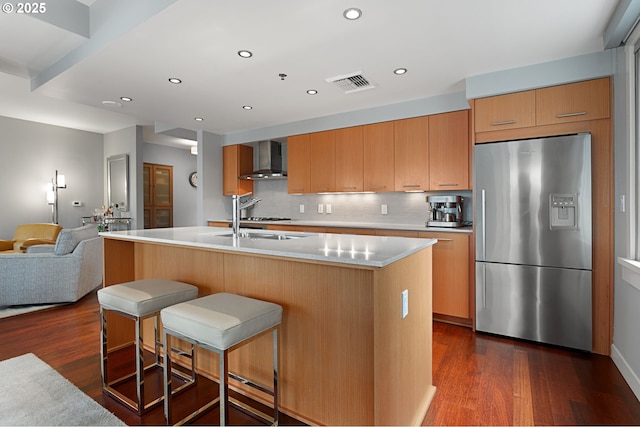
(378, 157)
(515, 110)
(158, 195)
(450, 274)
(236, 160)
(298, 152)
(349, 159)
(573, 102)
(449, 151)
(322, 168)
(411, 154)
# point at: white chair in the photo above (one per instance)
(221, 323)
(139, 300)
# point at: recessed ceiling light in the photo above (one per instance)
(400, 71)
(245, 53)
(175, 80)
(111, 104)
(312, 91)
(247, 107)
(352, 13)
(126, 99)
(198, 119)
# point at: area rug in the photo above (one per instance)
(21, 309)
(32, 393)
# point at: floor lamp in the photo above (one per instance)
(57, 183)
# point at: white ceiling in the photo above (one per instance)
(53, 75)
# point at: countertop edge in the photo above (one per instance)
(127, 236)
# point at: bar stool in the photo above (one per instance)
(221, 323)
(139, 300)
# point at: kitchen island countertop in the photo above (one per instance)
(370, 251)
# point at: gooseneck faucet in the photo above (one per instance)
(236, 207)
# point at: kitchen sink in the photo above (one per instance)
(252, 235)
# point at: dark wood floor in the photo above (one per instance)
(480, 379)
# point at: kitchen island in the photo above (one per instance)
(348, 355)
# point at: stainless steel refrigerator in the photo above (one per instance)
(533, 239)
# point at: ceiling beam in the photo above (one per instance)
(624, 19)
(110, 19)
(70, 15)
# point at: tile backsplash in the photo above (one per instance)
(402, 208)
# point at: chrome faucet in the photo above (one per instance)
(236, 206)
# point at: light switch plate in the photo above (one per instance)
(320, 208)
(301, 208)
(384, 210)
(405, 303)
(328, 209)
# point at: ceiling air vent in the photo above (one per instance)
(353, 82)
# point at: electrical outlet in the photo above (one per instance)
(384, 210)
(320, 208)
(328, 209)
(301, 208)
(405, 303)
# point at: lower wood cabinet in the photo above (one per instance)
(451, 285)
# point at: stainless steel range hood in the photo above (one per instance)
(270, 163)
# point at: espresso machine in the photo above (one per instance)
(444, 211)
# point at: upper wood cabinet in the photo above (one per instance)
(299, 162)
(378, 157)
(411, 154)
(236, 160)
(449, 151)
(515, 110)
(349, 159)
(322, 161)
(587, 100)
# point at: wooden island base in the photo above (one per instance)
(347, 355)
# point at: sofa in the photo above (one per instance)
(30, 234)
(48, 274)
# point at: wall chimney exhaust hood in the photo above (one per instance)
(269, 162)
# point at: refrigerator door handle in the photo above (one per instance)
(483, 211)
(484, 286)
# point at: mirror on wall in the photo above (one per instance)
(118, 181)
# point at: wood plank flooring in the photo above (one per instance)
(480, 379)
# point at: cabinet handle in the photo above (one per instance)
(377, 187)
(581, 113)
(349, 188)
(411, 185)
(444, 240)
(506, 122)
(448, 185)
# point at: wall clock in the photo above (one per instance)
(193, 179)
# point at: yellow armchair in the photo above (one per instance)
(30, 234)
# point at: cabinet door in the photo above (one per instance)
(349, 159)
(298, 153)
(573, 102)
(449, 151)
(236, 160)
(450, 273)
(411, 154)
(378, 157)
(162, 185)
(322, 161)
(515, 110)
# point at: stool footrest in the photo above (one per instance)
(250, 383)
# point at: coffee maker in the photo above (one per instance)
(444, 211)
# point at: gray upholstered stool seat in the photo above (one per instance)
(139, 300)
(221, 322)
